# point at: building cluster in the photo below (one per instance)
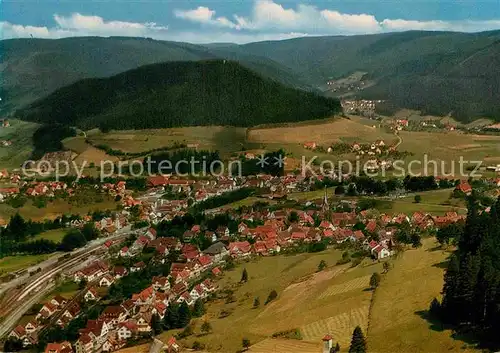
(371, 149)
(365, 107)
(262, 232)
(259, 232)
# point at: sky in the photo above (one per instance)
(240, 21)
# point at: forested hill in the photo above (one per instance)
(31, 69)
(214, 92)
(436, 72)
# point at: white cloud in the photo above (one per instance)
(267, 20)
(267, 15)
(460, 26)
(205, 16)
(81, 25)
(10, 30)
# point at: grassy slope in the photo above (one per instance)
(265, 275)
(53, 209)
(20, 134)
(396, 322)
(333, 301)
(14, 263)
(54, 235)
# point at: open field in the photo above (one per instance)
(443, 147)
(15, 263)
(283, 345)
(66, 290)
(265, 274)
(19, 133)
(54, 209)
(224, 139)
(299, 304)
(54, 235)
(436, 202)
(447, 147)
(325, 132)
(396, 317)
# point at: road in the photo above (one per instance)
(156, 346)
(400, 140)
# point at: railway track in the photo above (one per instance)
(19, 299)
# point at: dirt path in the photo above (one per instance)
(400, 140)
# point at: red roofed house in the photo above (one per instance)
(151, 233)
(161, 283)
(144, 297)
(144, 321)
(63, 347)
(327, 344)
(260, 247)
(127, 329)
(240, 249)
(31, 327)
(124, 252)
(91, 295)
(464, 187)
(216, 271)
(205, 262)
(84, 344)
(19, 332)
(46, 311)
(172, 346)
(310, 145)
(186, 298)
(357, 236)
(106, 281)
(156, 181)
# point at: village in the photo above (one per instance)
(194, 268)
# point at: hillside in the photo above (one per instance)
(173, 94)
(436, 72)
(32, 68)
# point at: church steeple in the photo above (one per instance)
(325, 207)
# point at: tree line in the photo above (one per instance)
(119, 153)
(471, 290)
(16, 236)
(224, 199)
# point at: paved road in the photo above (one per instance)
(156, 346)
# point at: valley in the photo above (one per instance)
(321, 193)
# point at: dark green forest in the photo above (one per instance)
(179, 94)
(436, 72)
(48, 138)
(471, 292)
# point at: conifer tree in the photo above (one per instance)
(199, 308)
(244, 276)
(156, 324)
(374, 280)
(358, 342)
(451, 289)
(184, 315)
(171, 319)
